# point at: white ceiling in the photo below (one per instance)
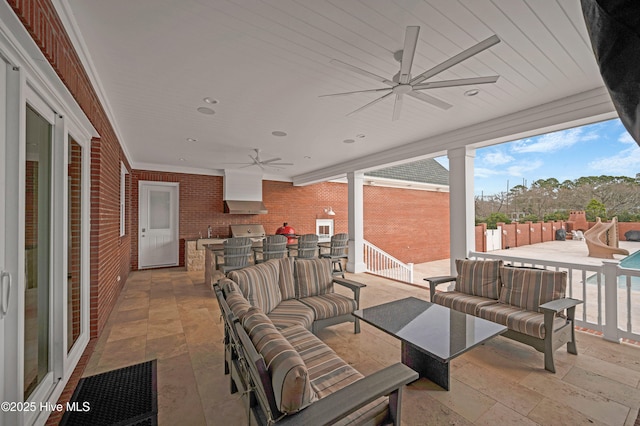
(267, 63)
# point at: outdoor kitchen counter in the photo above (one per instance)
(194, 252)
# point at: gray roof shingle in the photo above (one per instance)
(423, 171)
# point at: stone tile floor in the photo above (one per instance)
(173, 316)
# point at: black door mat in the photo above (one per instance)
(126, 396)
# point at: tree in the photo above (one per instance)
(595, 209)
(552, 200)
(493, 219)
(556, 215)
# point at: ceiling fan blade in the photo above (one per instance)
(430, 100)
(360, 71)
(271, 160)
(408, 52)
(375, 101)
(465, 54)
(457, 82)
(397, 107)
(278, 164)
(356, 91)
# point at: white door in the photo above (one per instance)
(158, 243)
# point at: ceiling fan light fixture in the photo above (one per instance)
(210, 101)
(472, 92)
(206, 111)
(192, 140)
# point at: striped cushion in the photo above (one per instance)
(478, 277)
(313, 277)
(285, 280)
(330, 305)
(529, 288)
(291, 312)
(518, 319)
(228, 286)
(238, 304)
(259, 284)
(461, 302)
(290, 379)
(327, 371)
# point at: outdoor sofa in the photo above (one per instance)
(287, 374)
(531, 302)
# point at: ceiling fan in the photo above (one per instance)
(404, 84)
(257, 161)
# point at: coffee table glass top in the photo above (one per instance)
(437, 330)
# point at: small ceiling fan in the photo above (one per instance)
(403, 84)
(257, 161)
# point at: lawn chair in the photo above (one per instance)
(337, 252)
(235, 254)
(307, 247)
(273, 247)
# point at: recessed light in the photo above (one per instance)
(307, 157)
(181, 159)
(205, 110)
(471, 92)
(349, 141)
(210, 101)
(279, 133)
(192, 140)
(360, 135)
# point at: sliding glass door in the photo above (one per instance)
(44, 256)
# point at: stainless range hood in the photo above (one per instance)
(243, 192)
(244, 207)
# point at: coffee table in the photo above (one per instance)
(431, 335)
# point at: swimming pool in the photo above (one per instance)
(632, 261)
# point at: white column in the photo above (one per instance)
(461, 204)
(355, 262)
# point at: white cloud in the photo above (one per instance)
(497, 158)
(625, 137)
(520, 169)
(552, 142)
(624, 163)
(483, 172)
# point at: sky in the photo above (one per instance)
(604, 148)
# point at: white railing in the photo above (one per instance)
(608, 306)
(381, 263)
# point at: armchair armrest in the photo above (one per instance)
(353, 285)
(560, 305)
(435, 281)
(440, 280)
(339, 404)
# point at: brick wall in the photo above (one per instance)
(75, 234)
(410, 225)
(110, 254)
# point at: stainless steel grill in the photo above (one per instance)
(254, 231)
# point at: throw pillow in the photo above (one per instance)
(529, 288)
(478, 277)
